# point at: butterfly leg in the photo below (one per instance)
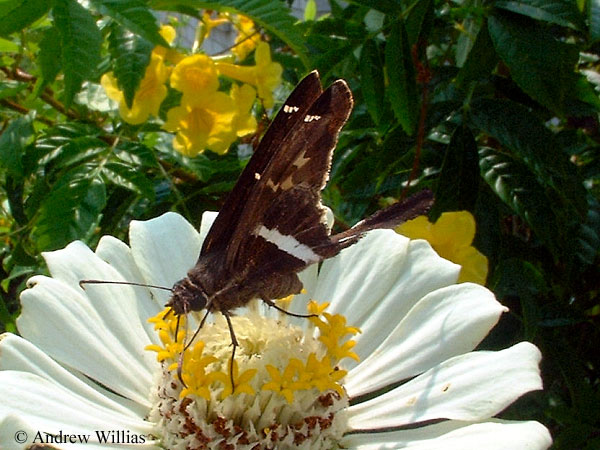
(272, 304)
(235, 344)
(186, 345)
(180, 361)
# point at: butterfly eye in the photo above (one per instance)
(186, 297)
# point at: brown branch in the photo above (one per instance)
(47, 95)
(21, 109)
(423, 78)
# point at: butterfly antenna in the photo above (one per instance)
(235, 344)
(272, 304)
(129, 283)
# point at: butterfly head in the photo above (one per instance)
(187, 296)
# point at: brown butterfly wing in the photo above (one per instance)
(228, 223)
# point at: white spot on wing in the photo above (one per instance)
(256, 176)
(309, 118)
(289, 244)
(290, 109)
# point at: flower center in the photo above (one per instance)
(286, 392)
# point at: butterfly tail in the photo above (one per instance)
(389, 217)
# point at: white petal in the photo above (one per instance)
(375, 282)
(470, 387)
(445, 323)
(65, 324)
(164, 249)
(118, 255)
(208, 218)
(452, 435)
(40, 405)
(18, 354)
(115, 307)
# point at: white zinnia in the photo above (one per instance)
(81, 367)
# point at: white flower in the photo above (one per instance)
(81, 368)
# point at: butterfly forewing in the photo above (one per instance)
(291, 113)
(286, 217)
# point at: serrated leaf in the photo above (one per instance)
(337, 52)
(521, 279)
(80, 41)
(520, 131)
(541, 65)
(594, 19)
(458, 184)
(71, 210)
(419, 14)
(275, 17)
(16, 15)
(62, 145)
(12, 145)
(521, 191)
(560, 12)
(131, 57)
(136, 154)
(480, 61)
(372, 79)
(49, 55)
(133, 15)
(588, 238)
(402, 88)
(128, 177)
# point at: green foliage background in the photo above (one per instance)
(492, 104)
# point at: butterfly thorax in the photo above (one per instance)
(208, 285)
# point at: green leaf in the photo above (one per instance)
(560, 12)
(71, 210)
(273, 16)
(49, 55)
(588, 238)
(131, 56)
(310, 10)
(594, 19)
(480, 61)
(128, 177)
(7, 46)
(521, 191)
(458, 184)
(372, 79)
(80, 42)
(520, 131)
(519, 278)
(419, 16)
(133, 15)
(387, 6)
(10, 88)
(12, 145)
(16, 15)
(402, 88)
(541, 65)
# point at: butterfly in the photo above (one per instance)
(273, 224)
